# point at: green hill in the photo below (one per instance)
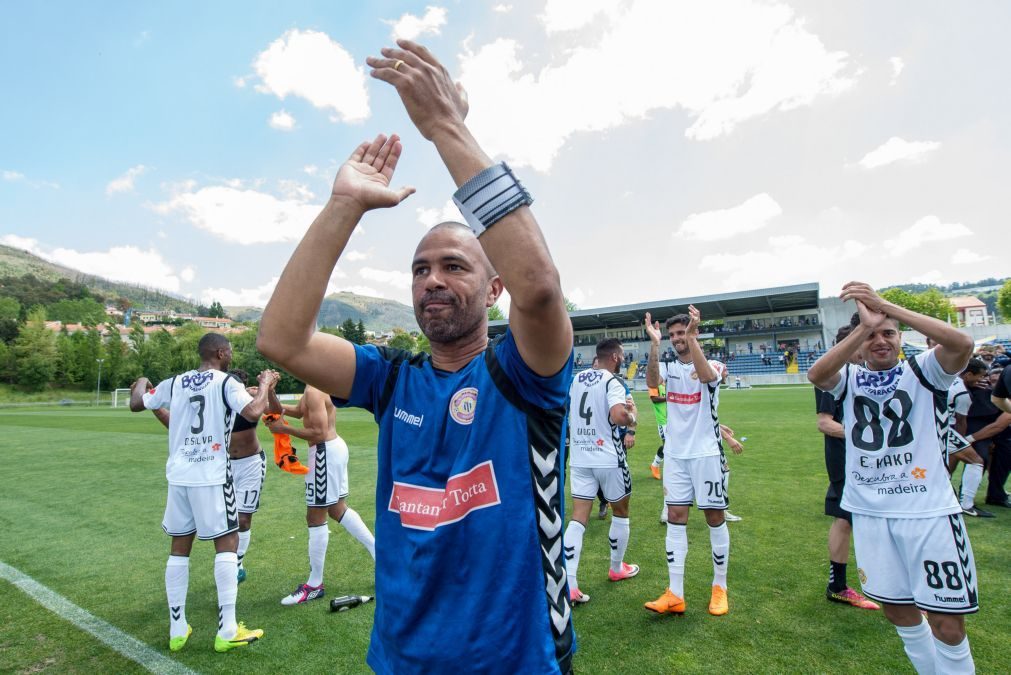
(378, 314)
(15, 262)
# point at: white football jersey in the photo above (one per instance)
(693, 425)
(896, 427)
(594, 441)
(202, 406)
(958, 398)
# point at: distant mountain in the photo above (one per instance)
(15, 262)
(378, 314)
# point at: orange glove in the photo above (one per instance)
(284, 454)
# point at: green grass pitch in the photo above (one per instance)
(81, 499)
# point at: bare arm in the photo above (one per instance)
(255, 408)
(830, 427)
(515, 246)
(994, 428)
(1002, 403)
(274, 403)
(287, 333)
(653, 362)
(824, 373)
(294, 411)
(703, 368)
(960, 423)
(162, 416)
(137, 394)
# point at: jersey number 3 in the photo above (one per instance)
(201, 403)
(868, 416)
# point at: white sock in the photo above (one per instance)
(319, 537)
(356, 527)
(177, 582)
(618, 537)
(919, 644)
(955, 659)
(972, 476)
(677, 551)
(719, 540)
(657, 460)
(573, 539)
(225, 565)
(243, 545)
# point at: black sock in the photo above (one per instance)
(836, 577)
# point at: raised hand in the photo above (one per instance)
(694, 316)
(652, 329)
(863, 293)
(365, 177)
(432, 98)
(267, 378)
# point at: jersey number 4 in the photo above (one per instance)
(868, 416)
(584, 412)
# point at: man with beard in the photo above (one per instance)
(470, 450)
(598, 408)
(694, 465)
(912, 548)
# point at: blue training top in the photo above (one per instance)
(470, 575)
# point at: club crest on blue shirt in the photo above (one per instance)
(463, 405)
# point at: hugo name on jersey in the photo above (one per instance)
(595, 442)
(896, 422)
(693, 426)
(202, 406)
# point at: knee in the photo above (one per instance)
(902, 615)
(948, 628)
(337, 510)
(714, 518)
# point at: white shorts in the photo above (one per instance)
(247, 475)
(700, 479)
(926, 562)
(327, 480)
(615, 482)
(208, 510)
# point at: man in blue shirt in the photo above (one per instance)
(470, 573)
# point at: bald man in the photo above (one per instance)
(470, 453)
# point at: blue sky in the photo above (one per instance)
(673, 148)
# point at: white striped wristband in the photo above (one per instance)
(490, 196)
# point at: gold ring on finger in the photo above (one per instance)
(396, 66)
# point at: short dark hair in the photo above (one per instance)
(608, 347)
(210, 343)
(843, 331)
(976, 367)
(677, 320)
(240, 375)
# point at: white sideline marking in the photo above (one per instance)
(126, 645)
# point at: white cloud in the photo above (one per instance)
(187, 274)
(807, 261)
(129, 264)
(567, 15)
(923, 231)
(432, 217)
(723, 63)
(410, 27)
(310, 65)
(502, 8)
(392, 278)
(294, 190)
(354, 256)
(898, 65)
(244, 297)
(239, 82)
(754, 214)
(18, 177)
(310, 169)
(242, 215)
(125, 182)
(282, 120)
(931, 277)
(964, 256)
(896, 149)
